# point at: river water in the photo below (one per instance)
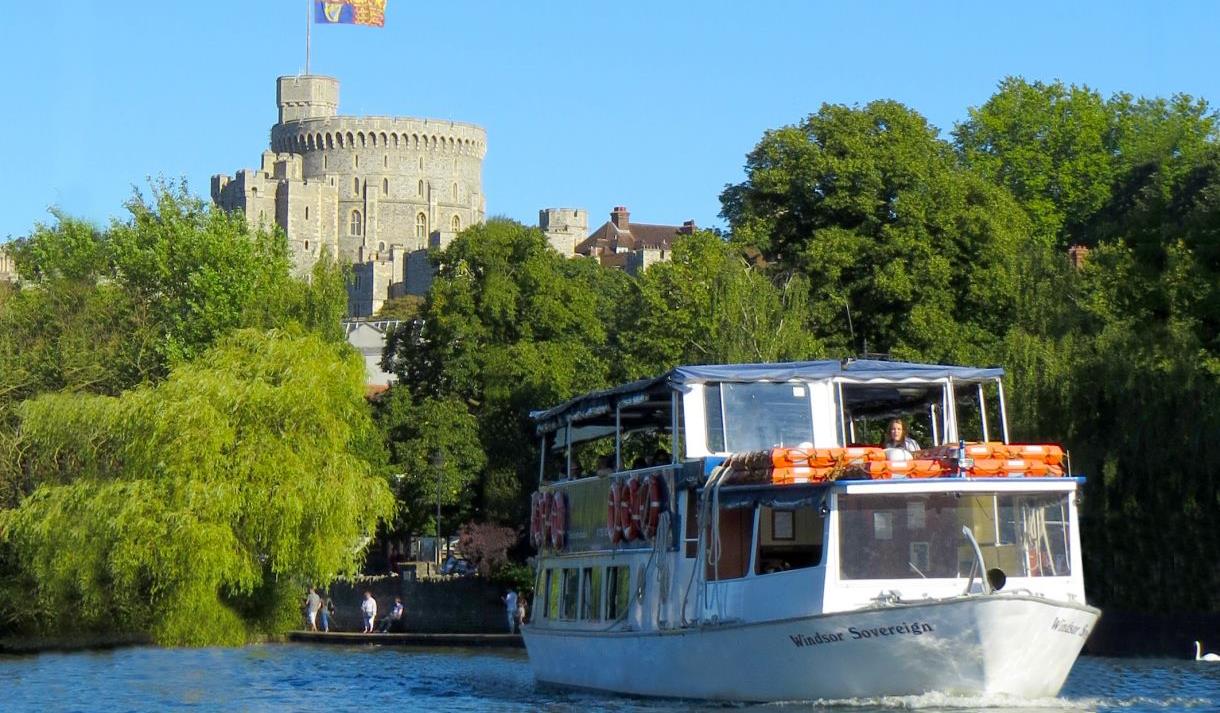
(333, 678)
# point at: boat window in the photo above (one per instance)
(788, 539)
(757, 416)
(736, 536)
(913, 536)
(618, 592)
(571, 592)
(871, 407)
(978, 412)
(591, 593)
(552, 595)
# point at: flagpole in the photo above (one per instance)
(308, 23)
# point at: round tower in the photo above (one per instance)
(399, 181)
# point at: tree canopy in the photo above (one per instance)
(905, 250)
(196, 509)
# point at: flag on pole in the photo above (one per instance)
(350, 12)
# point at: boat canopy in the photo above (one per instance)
(601, 405)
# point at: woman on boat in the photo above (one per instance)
(898, 445)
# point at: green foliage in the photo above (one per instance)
(509, 325)
(1060, 149)
(708, 305)
(406, 308)
(434, 452)
(106, 310)
(194, 510)
(905, 251)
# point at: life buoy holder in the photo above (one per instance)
(652, 502)
(536, 520)
(544, 520)
(628, 516)
(612, 524)
(559, 519)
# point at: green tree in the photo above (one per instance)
(435, 454)
(1050, 144)
(509, 325)
(196, 509)
(708, 305)
(104, 310)
(906, 251)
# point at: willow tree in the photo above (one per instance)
(196, 510)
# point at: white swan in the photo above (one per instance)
(1200, 656)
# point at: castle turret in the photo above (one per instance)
(564, 228)
(307, 97)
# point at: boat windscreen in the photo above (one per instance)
(759, 416)
(909, 536)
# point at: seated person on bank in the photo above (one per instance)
(393, 622)
(898, 445)
(605, 465)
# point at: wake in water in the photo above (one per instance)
(934, 702)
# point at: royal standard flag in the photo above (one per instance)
(350, 12)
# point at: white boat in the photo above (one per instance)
(777, 558)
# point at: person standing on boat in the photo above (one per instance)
(898, 445)
(510, 608)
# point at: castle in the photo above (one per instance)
(375, 192)
(378, 192)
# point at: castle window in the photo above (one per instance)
(455, 224)
(356, 186)
(306, 246)
(455, 192)
(385, 161)
(356, 161)
(380, 247)
(385, 186)
(306, 212)
(421, 163)
(357, 224)
(421, 226)
(421, 187)
(324, 162)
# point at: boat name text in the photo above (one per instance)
(1067, 627)
(914, 628)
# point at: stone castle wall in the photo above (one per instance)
(366, 190)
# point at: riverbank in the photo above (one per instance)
(408, 639)
(26, 645)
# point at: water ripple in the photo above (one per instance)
(350, 678)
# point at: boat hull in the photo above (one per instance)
(1012, 645)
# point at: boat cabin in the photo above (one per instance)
(773, 495)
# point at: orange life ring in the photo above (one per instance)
(652, 501)
(536, 520)
(615, 529)
(559, 519)
(628, 516)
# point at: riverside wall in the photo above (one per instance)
(463, 605)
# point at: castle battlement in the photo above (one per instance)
(367, 190)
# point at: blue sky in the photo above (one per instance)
(652, 105)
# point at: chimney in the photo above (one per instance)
(688, 228)
(619, 218)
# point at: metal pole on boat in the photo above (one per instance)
(673, 425)
(618, 437)
(983, 413)
(567, 442)
(1003, 411)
